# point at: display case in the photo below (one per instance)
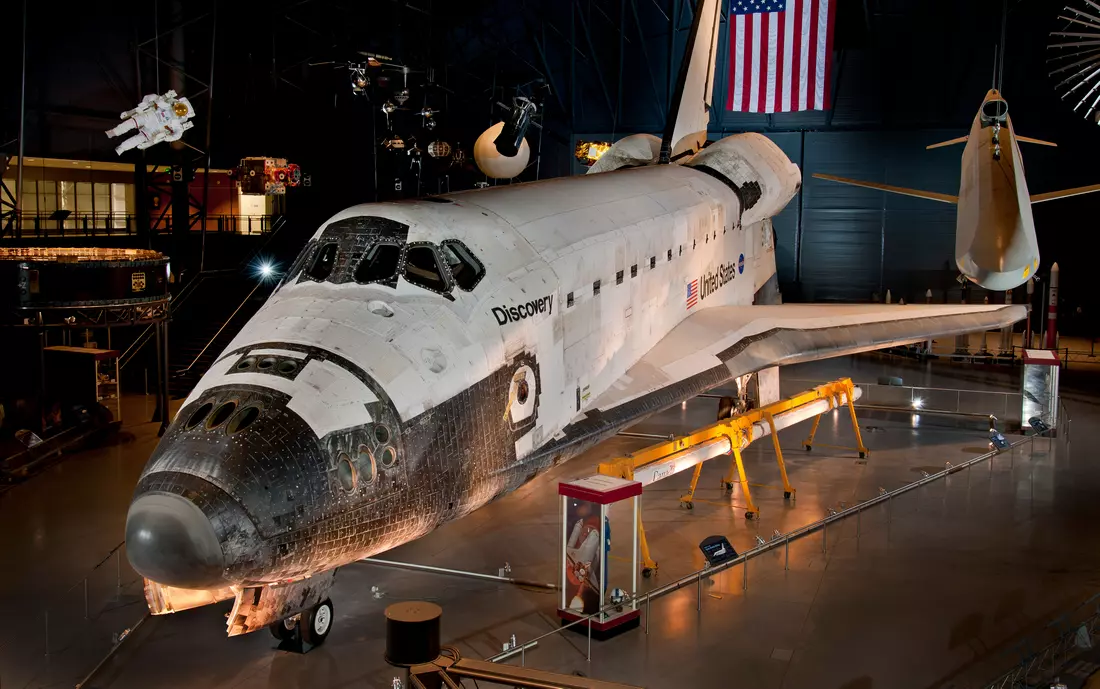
(81, 375)
(588, 590)
(1040, 388)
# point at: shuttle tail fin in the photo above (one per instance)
(1064, 193)
(905, 191)
(949, 142)
(689, 115)
(1029, 140)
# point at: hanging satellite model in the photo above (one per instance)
(501, 152)
(1077, 60)
(439, 149)
(155, 119)
(429, 121)
(262, 176)
(359, 79)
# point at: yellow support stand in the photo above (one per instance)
(846, 387)
(686, 500)
(738, 429)
(649, 565)
(788, 491)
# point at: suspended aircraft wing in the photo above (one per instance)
(933, 195)
(949, 142)
(1065, 193)
(714, 345)
(1029, 140)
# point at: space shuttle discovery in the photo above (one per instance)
(422, 358)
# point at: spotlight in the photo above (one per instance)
(510, 138)
(918, 403)
(266, 270)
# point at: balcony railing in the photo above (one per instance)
(29, 225)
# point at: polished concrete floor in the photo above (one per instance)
(941, 594)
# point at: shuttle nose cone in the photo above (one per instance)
(170, 540)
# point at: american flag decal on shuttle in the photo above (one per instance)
(692, 293)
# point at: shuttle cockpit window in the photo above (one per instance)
(380, 264)
(465, 268)
(323, 262)
(423, 269)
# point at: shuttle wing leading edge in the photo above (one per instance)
(715, 345)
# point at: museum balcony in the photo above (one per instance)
(64, 198)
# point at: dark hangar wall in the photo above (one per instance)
(907, 73)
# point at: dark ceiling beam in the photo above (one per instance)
(596, 65)
(645, 54)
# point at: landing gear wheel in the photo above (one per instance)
(283, 630)
(686, 505)
(316, 624)
(809, 448)
(786, 495)
(728, 486)
(863, 455)
(750, 515)
(647, 572)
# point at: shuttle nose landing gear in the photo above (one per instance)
(308, 627)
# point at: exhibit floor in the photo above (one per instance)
(939, 594)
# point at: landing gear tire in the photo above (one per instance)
(863, 455)
(317, 623)
(283, 630)
(647, 572)
(786, 495)
(750, 515)
(687, 505)
(728, 486)
(809, 448)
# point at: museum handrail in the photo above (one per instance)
(35, 224)
(744, 557)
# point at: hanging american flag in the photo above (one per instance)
(781, 54)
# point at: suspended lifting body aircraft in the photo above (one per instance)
(422, 358)
(995, 244)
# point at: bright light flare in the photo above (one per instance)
(918, 403)
(266, 270)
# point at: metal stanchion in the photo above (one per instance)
(745, 575)
(699, 592)
(787, 553)
(85, 597)
(523, 656)
(47, 615)
(118, 573)
(859, 522)
(648, 598)
(589, 639)
(825, 537)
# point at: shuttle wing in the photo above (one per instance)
(714, 345)
(1052, 195)
(933, 195)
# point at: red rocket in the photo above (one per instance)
(1052, 310)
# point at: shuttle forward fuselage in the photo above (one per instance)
(390, 395)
